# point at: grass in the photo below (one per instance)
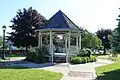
(16, 55)
(109, 72)
(107, 57)
(22, 73)
(97, 55)
(13, 56)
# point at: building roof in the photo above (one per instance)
(59, 21)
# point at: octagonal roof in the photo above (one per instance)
(59, 21)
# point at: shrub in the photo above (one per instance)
(84, 53)
(84, 59)
(92, 58)
(76, 60)
(30, 56)
(88, 59)
(80, 60)
(37, 55)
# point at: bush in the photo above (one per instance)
(92, 58)
(80, 60)
(34, 57)
(84, 53)
(37, 55)
(87, 59)
(76, 60)
(30, 56)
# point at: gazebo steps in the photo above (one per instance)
(59, 59)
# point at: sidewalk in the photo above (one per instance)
(71, 72)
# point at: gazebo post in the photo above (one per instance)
(51, 44)
(39, 39)
(77, 44)
(66, 49)
(68, 45)
(80, 41)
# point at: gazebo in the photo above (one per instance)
(60, 24)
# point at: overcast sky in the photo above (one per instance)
(90, 14)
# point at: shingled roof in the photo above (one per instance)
(59, 21)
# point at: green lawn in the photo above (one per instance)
(97, 55)
(21, 73)
(16, 55)
(109, 72)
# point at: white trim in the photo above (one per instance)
(73, 34)
(58, 29)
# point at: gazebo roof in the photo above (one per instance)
(59, 21)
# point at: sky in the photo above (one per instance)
(89, 14)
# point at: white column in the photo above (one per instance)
(51, 44)
(66, 49)
(68, 45)
(77, 44)
(80, 41)
(39, 39)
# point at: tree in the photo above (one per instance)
(103, 35)
(90, 40)
(1, 41)
(24, 25)
(115, 38)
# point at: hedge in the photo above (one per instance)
(81, 60)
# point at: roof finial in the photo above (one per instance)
(60, 10)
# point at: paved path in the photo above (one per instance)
(71, 72)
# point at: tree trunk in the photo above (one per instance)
(26, 51)
(104, 51)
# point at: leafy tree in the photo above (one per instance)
(115, 38)
(103, 35)
(0, 41)
(90, 40)
(24, 25)
(96, 42)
